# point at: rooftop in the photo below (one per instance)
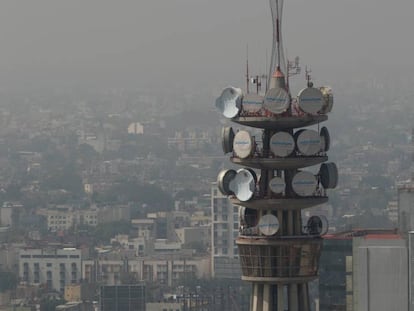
(388, 234)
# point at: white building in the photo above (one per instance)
(224, 231)
(380, 273)
(162, 306)
(54, 268)
(59, 219)
(135, 128)
(140, 245)
(6, 213)
(65, 217)
(9, 213)
(144, 227)
(392, 210)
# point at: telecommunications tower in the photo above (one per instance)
(279, 253)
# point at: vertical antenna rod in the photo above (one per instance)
(278, 34)
(247, 70)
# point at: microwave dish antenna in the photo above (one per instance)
(244, 184)
(243, 144)
(325, 139)
(268, 225)
(224, 179)
(229, 102)
(227, 138)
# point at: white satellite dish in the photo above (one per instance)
(243, 144)
(304, 184)
(268, 225)
(243, 184)
(327, 99)
(317, 225)
(252, 103)
(310, 100)
(277, 185)
(325, 139)
(224, 179)
(329, 175)
(227, 138)
(282, 144)
(277, 100)
(308, 142)
(229, 102)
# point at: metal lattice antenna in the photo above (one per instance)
(277, 59)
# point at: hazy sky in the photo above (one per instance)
(170, 42)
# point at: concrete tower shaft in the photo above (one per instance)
(279, 255)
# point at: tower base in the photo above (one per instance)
(280, 297)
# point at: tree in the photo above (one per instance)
(104, 232)
(87, 154)
(65, 178)
(141, 194)
(8, 281)
(50, 304)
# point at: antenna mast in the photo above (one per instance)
(247, 70)
(412, 155)
(278, 34)
(277, 59)
(308, 76)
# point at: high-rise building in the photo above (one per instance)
(335, 274)
(363, 270)
(224, 231)
(411, 271)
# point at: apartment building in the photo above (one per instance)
(54, 268)
(168, 270)
(224, 231)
